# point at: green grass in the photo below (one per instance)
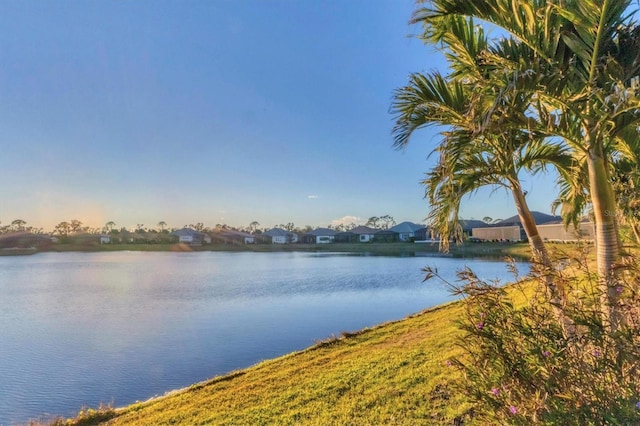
(395, 373)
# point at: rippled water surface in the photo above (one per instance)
(84, 328)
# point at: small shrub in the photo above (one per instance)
(518, 366)
(88, 417)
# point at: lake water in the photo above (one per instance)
(84, 328)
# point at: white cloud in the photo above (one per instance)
(346, 220)
(312, 196)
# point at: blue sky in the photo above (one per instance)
(216, 111)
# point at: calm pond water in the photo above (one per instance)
(84, 328)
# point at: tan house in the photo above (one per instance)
(557, 232)
(502, 233)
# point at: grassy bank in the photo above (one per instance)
(497, 250)
(395, 373)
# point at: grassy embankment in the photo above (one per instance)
(392, 249)
(395, 373)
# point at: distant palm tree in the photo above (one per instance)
(18, 224)
(162, 225)
(109, 226)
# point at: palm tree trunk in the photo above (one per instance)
(635, 227)
(541, 257)
(607, 239)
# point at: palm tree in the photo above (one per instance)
(162, 225)
(583, 57)
(109, 226)
(488, 140)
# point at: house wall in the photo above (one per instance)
(557, 232)
(406, 236)
(278, 240)
(511, 233)
(365, 238)
(186, 239)
(324, 239)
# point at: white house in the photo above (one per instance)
(281, 236)
(406, 230)
(105, 239)
(364, 233)
(191, 236)
(319, 236)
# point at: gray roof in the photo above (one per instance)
(472, 223)
(233, 233)
(406, 227)
(322, 232)
(276, 232)
(362, 230)
(538, 217)
(185, 232)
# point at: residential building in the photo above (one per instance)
(319, 236)
(280, 236)
(364, 233)
(406, 230)
(191, 236)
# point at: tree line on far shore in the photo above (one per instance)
(75, 226)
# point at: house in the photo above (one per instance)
(105, 239)
(24, 239)
(345, 237)
(364, 233)
(386, 236)
(468, 225)
(231, 236)
(425, 234)
(191, 236)
(406, 230)
(510, 229)
(319, 236)
(280, 236)
(501, 233)
(556, 231)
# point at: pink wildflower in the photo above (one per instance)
(513, 409)
(495, 391)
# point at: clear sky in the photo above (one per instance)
(218, 111)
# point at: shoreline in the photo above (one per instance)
(492, 250)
